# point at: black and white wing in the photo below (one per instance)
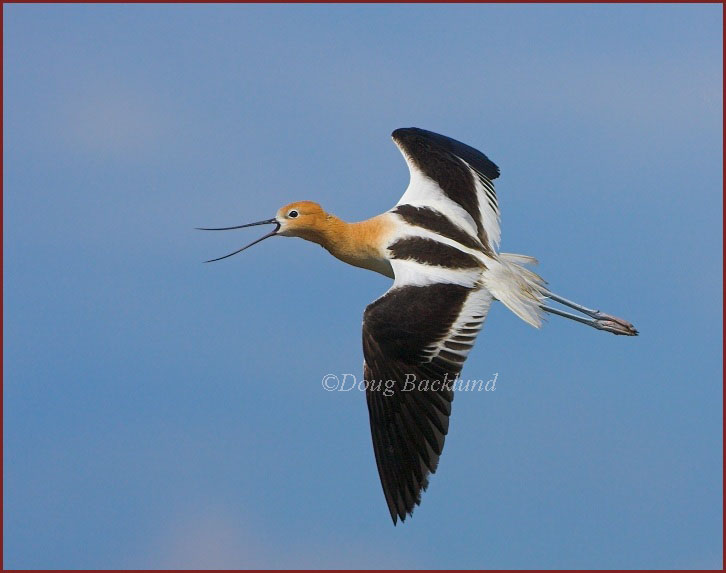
(450, 190)
(415, 342)
(417, 336)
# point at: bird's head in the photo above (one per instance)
(303, 219)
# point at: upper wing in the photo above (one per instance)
(415, 341)
(454, 181)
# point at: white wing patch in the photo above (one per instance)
(422, 191)
(412, 273)
(488, 207)
(458, 342)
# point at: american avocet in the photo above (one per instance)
(439, 244)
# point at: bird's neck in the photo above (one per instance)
(361, 244)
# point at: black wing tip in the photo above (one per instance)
(400, 511)
(399, 516)
(402, 132)
(469, 154)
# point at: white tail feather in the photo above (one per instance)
(521, 290)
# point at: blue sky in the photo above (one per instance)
(159, 412)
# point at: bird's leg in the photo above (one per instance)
(598, 319)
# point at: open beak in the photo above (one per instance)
(270, 234)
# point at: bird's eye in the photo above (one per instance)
(292, 214)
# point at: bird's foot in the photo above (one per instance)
(613, 324)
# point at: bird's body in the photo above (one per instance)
(440, 244)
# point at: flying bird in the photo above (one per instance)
(440, 245)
